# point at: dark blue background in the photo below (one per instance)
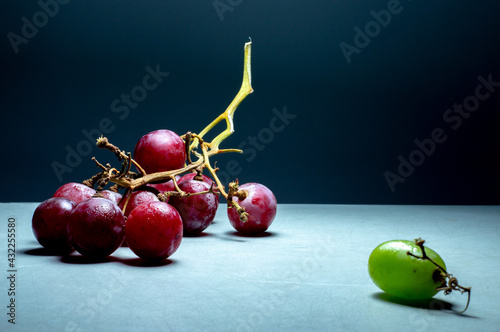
(351, 120)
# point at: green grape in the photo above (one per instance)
(404, 275)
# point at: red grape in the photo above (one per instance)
(165, 186)
(50, 222)
(95, 227)
(190, 176)
(137, 198)
(261, 206)
(197, 211)
(75, 192)
(160, 150)
(154, 230)
(112, 196)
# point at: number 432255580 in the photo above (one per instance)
(11, 242)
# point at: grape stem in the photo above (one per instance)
(447, 285)
(182, 194)
(241, 194)
(126, 179)
(103, 143)
(245, 90)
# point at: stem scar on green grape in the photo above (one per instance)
(124, 178)
(449, 282)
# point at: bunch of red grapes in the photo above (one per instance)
(152, 219)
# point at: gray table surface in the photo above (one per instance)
(308, 273)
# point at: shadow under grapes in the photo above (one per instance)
(258, 235)
(139, 262)
(80, 259)
(427, 304)
(41, 251)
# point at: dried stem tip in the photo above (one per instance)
(449, 283)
